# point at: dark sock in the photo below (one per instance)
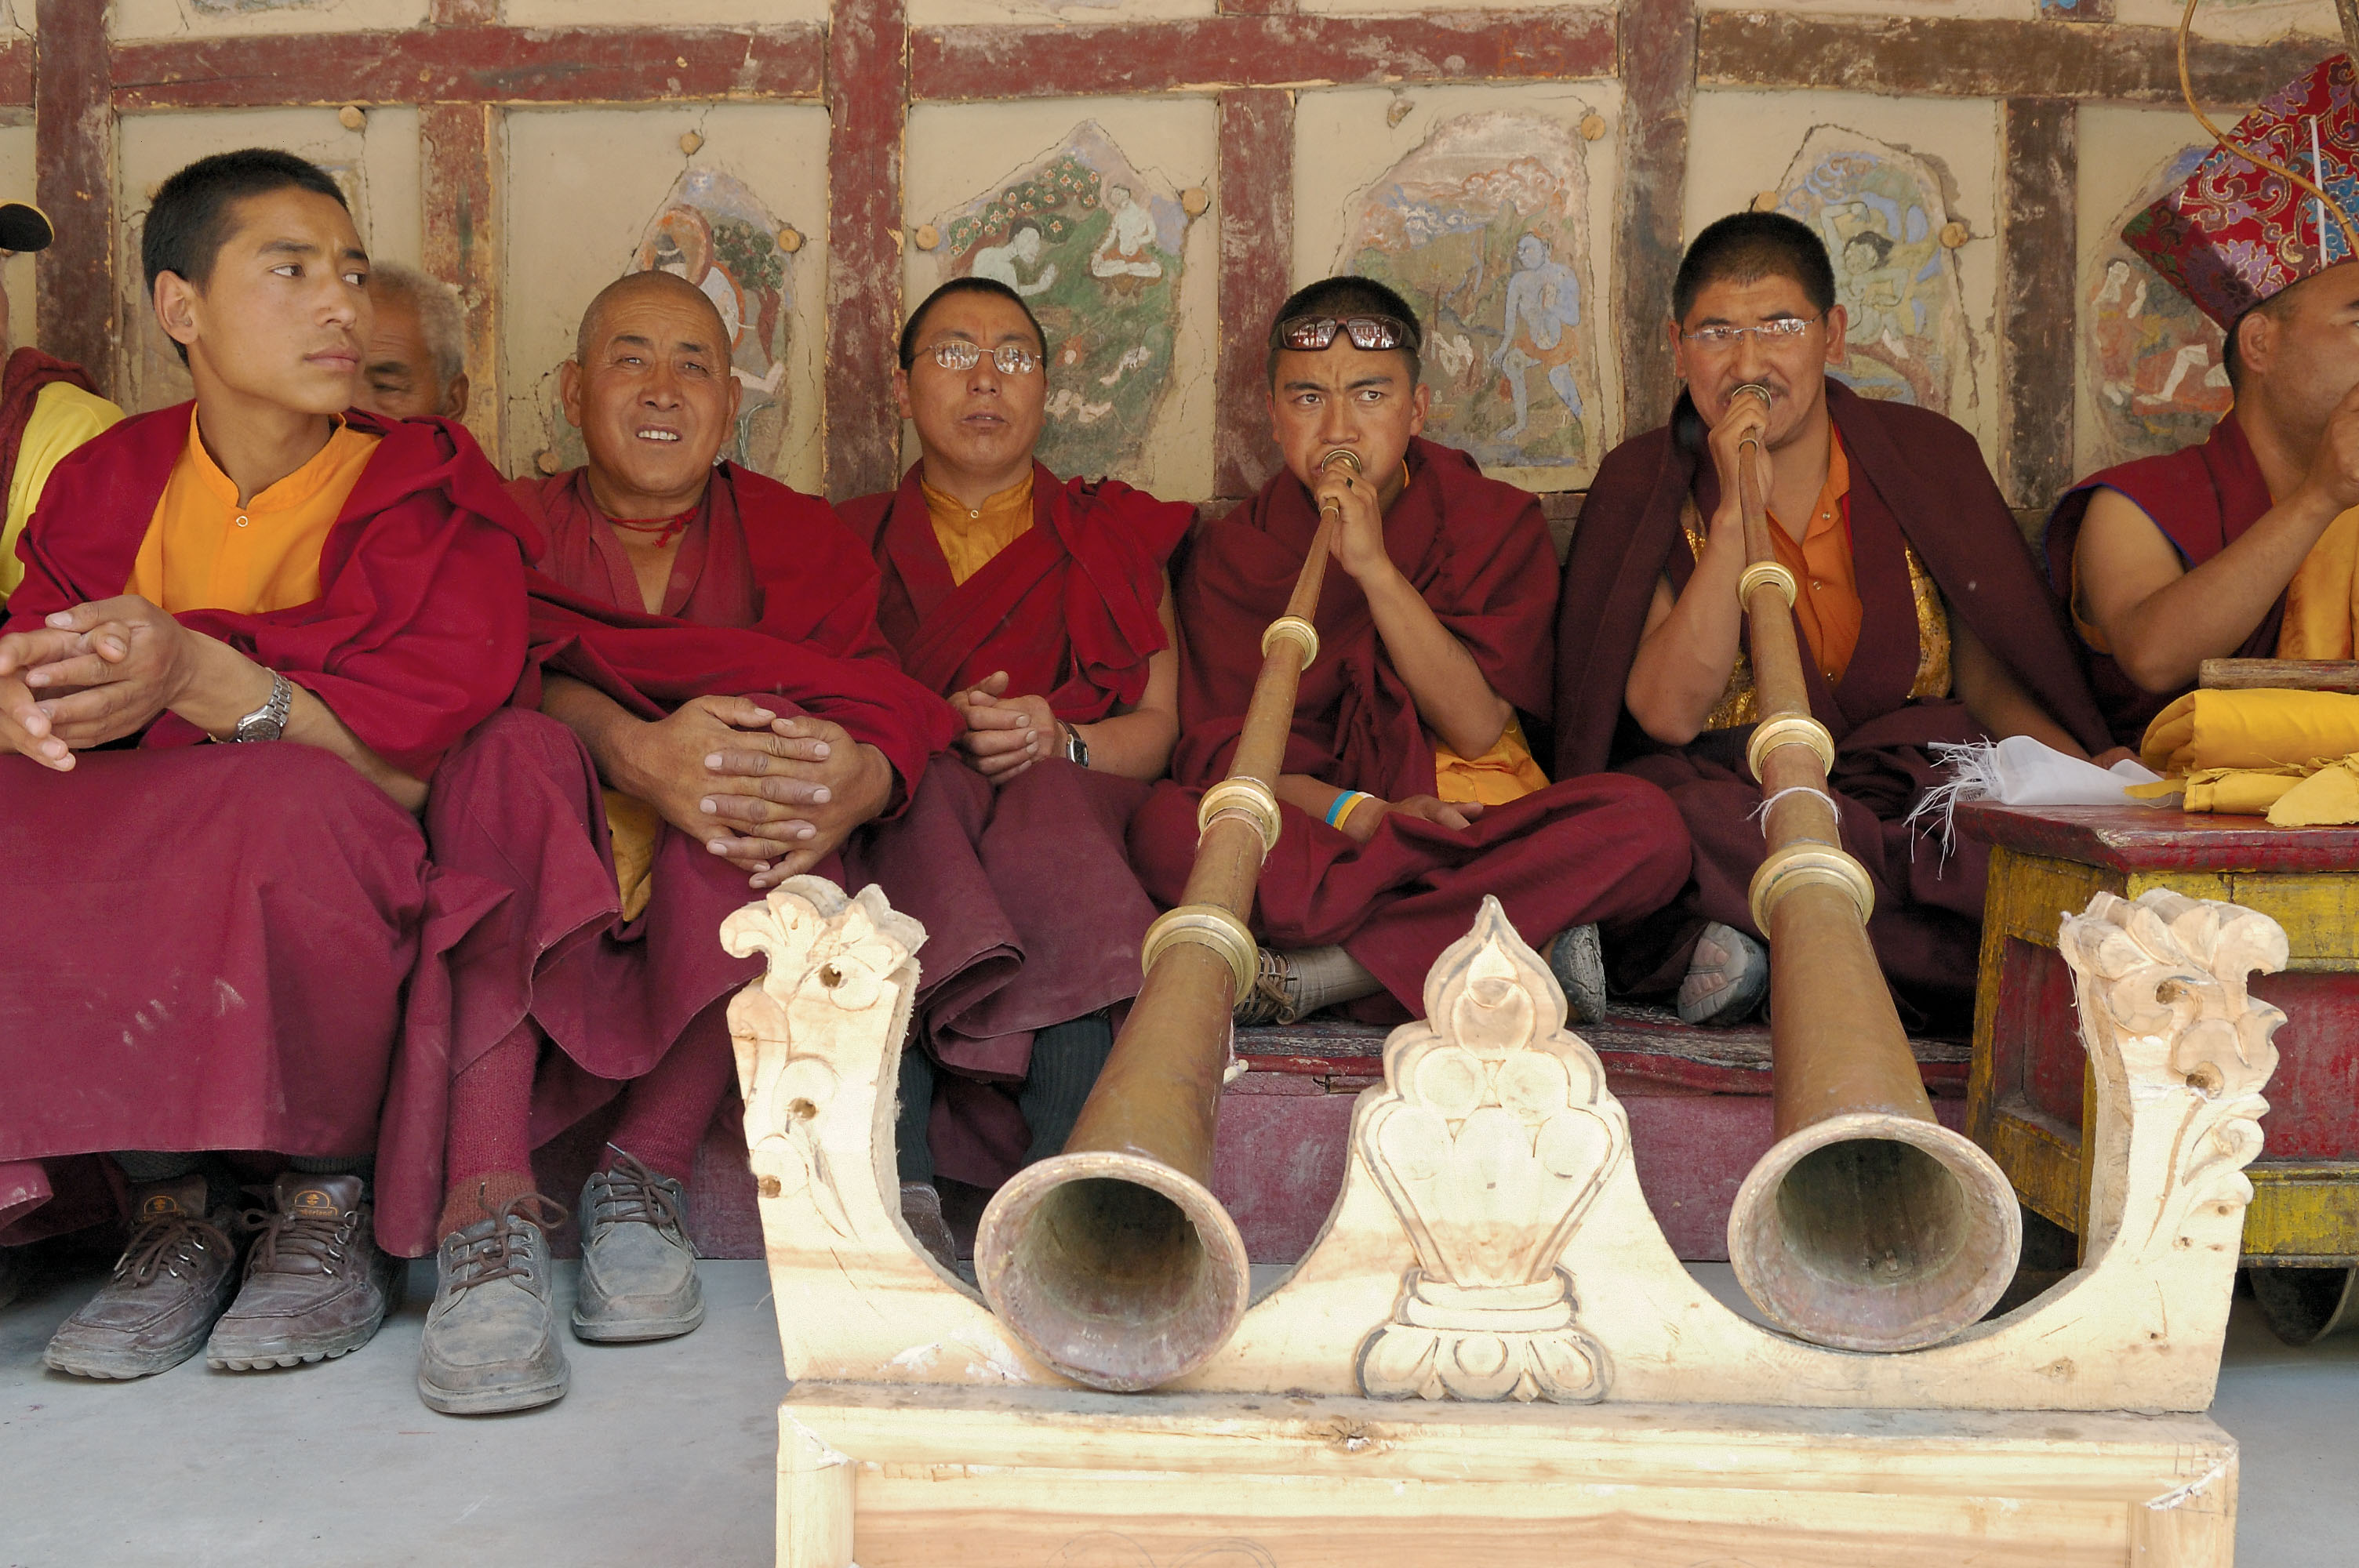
(143, 1166)
(912, 1154)
(360, 1165)
(1066, 1060)
(665, 1113)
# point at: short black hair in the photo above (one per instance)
(991, 286)
(189, 222)
(1746, 247)
(1347, 295)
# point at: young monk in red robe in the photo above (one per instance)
(1039, 609)
(46, 409)
(708, 654)
(225, 967)
(2198, 554)
(1408, 791)
(1921, 612)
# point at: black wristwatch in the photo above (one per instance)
(1076, 748)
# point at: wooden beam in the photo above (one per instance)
(73, 180)
(2039, 289)
(1255, 180)
(1954, 57)
(1215, 53)
(461, 155)
(472, 65)
(1658, 57)
(867, 93)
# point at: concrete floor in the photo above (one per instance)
(662, 1454)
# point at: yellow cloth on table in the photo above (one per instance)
(2260, 729)
(2321, 601)
(1505, 773)
(2299, 795)
(635, 828)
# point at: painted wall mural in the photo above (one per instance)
(1095, 246)
(2149, 360)
(715, 231)
(1881, 212)
(1485, 230)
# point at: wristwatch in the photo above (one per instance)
(1076, 748)
(268, 721)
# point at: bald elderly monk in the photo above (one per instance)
(2243, 546)
(1408, 789)
(46, 409)
(246, 953)
(718, 712)
(1038, 606)
(415, 360)
(1921, 619)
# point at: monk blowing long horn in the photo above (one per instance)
(1112, 1261)
(1868, 1226)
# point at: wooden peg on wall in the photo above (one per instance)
(1955, 233)
(1765, 202)
(927, 236)
(1592, 127)
(690, 142)
(352, 116)
(545, 460)
(791, 239)
(1194, 200)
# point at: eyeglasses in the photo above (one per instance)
(1312, 333)
(1785, 328)
(1012, 359)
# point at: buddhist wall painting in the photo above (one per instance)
(1483, 230)
(1881, 212)
(2152, 375)
(1096, 247)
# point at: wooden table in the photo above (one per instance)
(2029, 1087)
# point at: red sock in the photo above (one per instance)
(664, 1113)
(488, 1156)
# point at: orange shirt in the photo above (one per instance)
(1826, 598)
(971, 536)
(204, 551)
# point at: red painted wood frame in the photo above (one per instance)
(868, 65)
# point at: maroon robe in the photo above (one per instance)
(1033, 874)
(1580, 850)
(1915, 476)
(248, 952)
(26, 373)
(770, 597)
(2202, 498)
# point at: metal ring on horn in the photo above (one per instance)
(1206, 925)
(1292, 629)
(1775, 574)
(1789, 729)
(1797, 865)
(1246, 798)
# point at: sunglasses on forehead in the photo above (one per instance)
(1312, 333)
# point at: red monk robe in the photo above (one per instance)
(2202, 498)
(1576, 851)
(1046, 899)
(1917, 477)
(769, 596)
(224, 965)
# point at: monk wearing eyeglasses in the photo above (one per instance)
(1408, 790)
(1038, 606)
(1921, 612)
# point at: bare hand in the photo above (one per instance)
(670, 770)
(1004, 735)
(1748, 416)
(2107, 757)
(1358, 546)
(1364, 819)
(25, 728)
(2334, 466)
(106, 670)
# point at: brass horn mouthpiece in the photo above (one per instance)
(1344, 455)
(1754, 389)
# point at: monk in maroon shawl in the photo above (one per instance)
(1922, 616)
(706, 651)
(46, 409)
(1408, 792)
(245, 952)
(1041, 609)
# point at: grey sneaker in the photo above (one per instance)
(490, 1340)
(1578, 962)
(316, 1285)
(1726, 979)
(638, 1271)
(172, 1280)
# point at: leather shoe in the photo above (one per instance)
(171, 1283)
(491, 1336)
(317, 1286)
(638, 1268)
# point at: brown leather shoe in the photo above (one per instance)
(169, 1285)
(316, 1285)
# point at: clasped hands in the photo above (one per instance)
(91, 675)
(772, 795)
(1004, 735)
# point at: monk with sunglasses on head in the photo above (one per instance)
(1408, 791)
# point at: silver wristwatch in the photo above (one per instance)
(268, 721)
(1076, 748)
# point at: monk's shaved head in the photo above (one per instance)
(636, 285)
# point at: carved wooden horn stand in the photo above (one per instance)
(1490, 1354)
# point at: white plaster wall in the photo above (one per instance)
(1079, 12)
(180, 18)
(17, 274)
(1743, 143)
(957, 151)
(152, 147)
(667, 13)
(2244, 20)
(1342, 147)
(581, 185)
(2025, 10)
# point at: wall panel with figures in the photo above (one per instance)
(1154, 175)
